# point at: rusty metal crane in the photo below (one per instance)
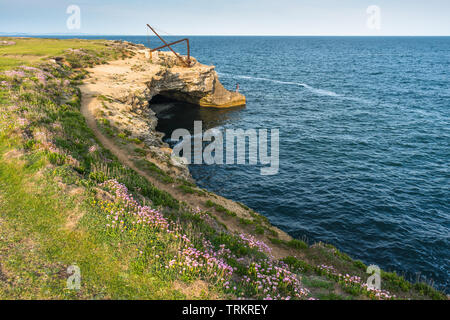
(186, 62)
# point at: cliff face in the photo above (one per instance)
(126, 87)
(197, 85)
(129, 85)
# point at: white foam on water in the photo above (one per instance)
(321, 92)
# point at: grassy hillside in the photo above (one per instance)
(33, 50)
(66, 200)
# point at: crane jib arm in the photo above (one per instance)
(187, 63)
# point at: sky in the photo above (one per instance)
(228, 17)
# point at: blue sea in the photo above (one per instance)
(364, 141)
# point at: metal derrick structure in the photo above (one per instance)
(187, 62)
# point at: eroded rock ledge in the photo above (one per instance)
(120, 92)
(130, 84)
(197, 85)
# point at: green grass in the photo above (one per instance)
(141, 152)
(297, 264)
(106, 127)
(104, 98)
(245, 222)
(318, 283)
(259, 230)
(155, 170)
(7, 63)
(219, 208)
(360, 265)
(294, 243)
(53, 210)
(186, 183)
(36, 212)
(110, 266)
(48, 47)
(392, 281)
(190, 190)
(331, 296)
(427, 290)
(297, 244)
(209, 204)
(126, 138)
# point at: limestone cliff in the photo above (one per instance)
(198, 85)
(126, 87)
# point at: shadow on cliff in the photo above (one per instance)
(173, 114)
